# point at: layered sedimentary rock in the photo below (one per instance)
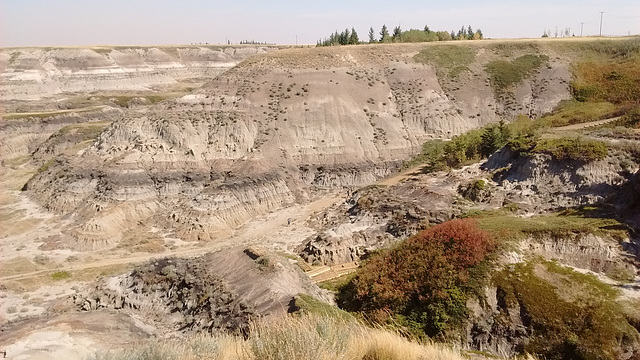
(35, 73)
(261, 136)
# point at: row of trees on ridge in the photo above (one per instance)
(350, 36)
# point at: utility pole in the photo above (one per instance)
(581, 26)
(601, 12)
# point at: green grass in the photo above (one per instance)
(309, 305)
(88, 130)
(575, 112)
(590, 49)
(335, 285)
(45, 166)
(504, 75)
(568, 223)
(513, 49)
(449, 59)
(47, 114)
(102, 50)
(124, 100)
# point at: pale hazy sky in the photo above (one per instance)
(155, 22)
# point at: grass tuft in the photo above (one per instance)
(60, 275)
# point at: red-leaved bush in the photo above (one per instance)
(424, 279)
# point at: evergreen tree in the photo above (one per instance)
(426, 29)
(384, 34)
(397, 34)
(344, 37)
(493, 138)
(469, 33)
(372, 36)
(353, 39)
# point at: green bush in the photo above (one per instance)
(572, 149)
(60, 275)
(431, 155)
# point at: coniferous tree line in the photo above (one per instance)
(350, 37)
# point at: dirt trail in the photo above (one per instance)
(393, 180)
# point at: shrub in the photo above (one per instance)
(60, 275)
(424, 282)
(463, 148)
(431, 155)
(572, 149)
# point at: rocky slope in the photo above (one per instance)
(374, 217)
(35, 73)
(217, 292)
(268, 132)
(23, 136)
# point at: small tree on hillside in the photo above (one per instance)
(493, 138)
(372, 36)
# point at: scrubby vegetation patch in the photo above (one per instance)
(504, 75)
(424, 283)
(569, 315)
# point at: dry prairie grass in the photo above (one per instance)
(292, 338)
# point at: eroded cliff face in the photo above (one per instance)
(218, 292)
(374, 217)
(35, 73)
(266, 134)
